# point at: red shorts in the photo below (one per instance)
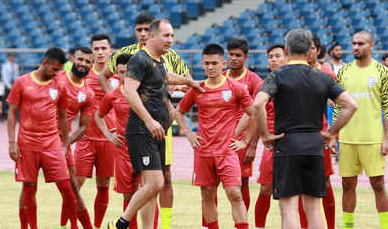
(94, 153)
(209, 171)
(125, 182)
(53, 164)
(327, 162)
(69, 157)
(266, 167)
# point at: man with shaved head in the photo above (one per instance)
(364, 144)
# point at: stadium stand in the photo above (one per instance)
(67, 23)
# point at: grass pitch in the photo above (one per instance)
(187, 206)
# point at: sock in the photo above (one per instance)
(329, 208)
(122, 223)
(213, 225)
(246, 196)
(383, 216)
(302, 214)
(241, 225)
(204, 223)
(29, 200)
(133, 222)
(100, 205)
(69, 203)
(23, 219)
(348, 220)
(262, 206)
(84, 218)
(156, 219)
(166, 217)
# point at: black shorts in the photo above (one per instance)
(298, 174)
(146, 153)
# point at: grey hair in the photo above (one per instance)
(298, 41)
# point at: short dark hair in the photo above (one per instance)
(72, 51)
(10, 54)
(335, 44)
(144, 18)
(85, 50)
(323, 51)
(213, 49)
(384, 57)
(55, 53)
(272, 47)
(155, 24)
(100, 37)
(123, 59)
(317, 41)
(237, 43)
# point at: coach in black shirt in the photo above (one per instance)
(300, 93)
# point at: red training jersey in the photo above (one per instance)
(116, 100)
(92, 132)
(38, 103)
(80, 97)
(217, 113)
(251, 81)
(327, 70)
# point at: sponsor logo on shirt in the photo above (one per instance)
(372, 81)
(226, 95)
(362, 95)
(81, 97)
(53, 93)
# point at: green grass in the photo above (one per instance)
(187, 206)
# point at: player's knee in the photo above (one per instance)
(207, 195)
(378, 186)
(234, 195)
(348, 186)
(266, 190)
(158, 185)
(167, 179)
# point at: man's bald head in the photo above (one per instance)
(365, 35)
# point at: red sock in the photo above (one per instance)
(156, 220)
(69, 202)
(302, 215)
(329, 208)
(204, 223)
(100, 205)
(29, 200)
(241, 225)
(213, 225)
(84, 218)
(262, 206)
(23, 219)
(133, 222)
(246, 196)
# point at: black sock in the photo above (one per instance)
(122, 223)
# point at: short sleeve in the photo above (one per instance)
(334, 89)
(242, 95)
(89, 107)
(112, 62)
(106, 104)
(175, 63)
(62, 101)
(137, 67)
(15, 96)
(270, 85)
(187, 101)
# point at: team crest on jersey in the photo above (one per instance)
(53, 93)
(81, 97)
(246, 86)
(372, 81)
(226, 95)
(146, 160)
(114, 83)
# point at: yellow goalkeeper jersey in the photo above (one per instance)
(369, 88)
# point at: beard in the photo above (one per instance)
(78, 73)
(337, 57)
